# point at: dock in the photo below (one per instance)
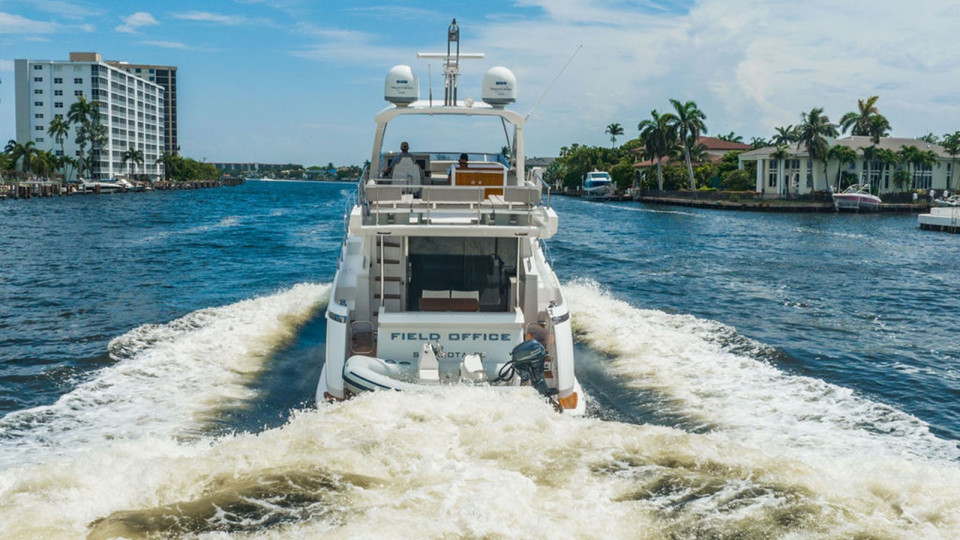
(29, 190)
(945, 219)
(746, 202)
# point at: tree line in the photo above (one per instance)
(669, 137)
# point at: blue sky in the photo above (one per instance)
(300, 81)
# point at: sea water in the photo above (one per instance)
(749, 375)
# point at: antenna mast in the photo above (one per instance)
(451, 63)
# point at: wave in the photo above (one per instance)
(760, 453)
(224, 223)
(167, 380)
(718, 380)
(472, 462)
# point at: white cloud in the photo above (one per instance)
(68, 10)
(6, 65)
(166, 44)
(133, 23)
(346, 47)
(15, 24)
(228, 20)
(750, 65)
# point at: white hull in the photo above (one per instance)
(856, 198)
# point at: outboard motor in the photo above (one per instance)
(527, 360)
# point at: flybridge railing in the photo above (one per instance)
(390, 203)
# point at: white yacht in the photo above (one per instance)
(94, 186)
(442, 276)
(598, 186)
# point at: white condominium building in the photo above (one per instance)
(130, 108)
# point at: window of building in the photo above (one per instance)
(38, 115)
(772, 172)
(58, 92)
(58, 105)
(58, 80)
(923, 177)
(38, 104)
(78, 80)
(37, 67)
(78, 92)
(39, 128)
(38, 90)
(38, 79)
(39, 139)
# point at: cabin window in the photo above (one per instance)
(478, 268)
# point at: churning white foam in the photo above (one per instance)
(168, 379)
(731, 390)
(468, 462)
(785, 456)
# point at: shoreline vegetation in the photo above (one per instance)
(668, 156)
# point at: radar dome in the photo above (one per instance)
(401, 87)
(499, 87)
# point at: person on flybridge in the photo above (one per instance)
(404, 152)
(462, 163)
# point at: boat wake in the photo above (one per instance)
(471, 461)
(724, 383)
(167, 380)
(757, 453)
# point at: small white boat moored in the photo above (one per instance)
(856, 197)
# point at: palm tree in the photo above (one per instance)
(22, 153)
(4, 164)
(689, 125)
(951, 143)
(58, 129)
(916, 158)
(167, 160)
(614, 130)
(888, 158)
(659, 139)
(844, 155)
(780, 154)
(81, 112)
(731, 137)
(785, 135)
(135, 155)
(813, 133)
(877, 128)
(758, 142)
(859, 122)
(43, 163)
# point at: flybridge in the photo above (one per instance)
(402, 86)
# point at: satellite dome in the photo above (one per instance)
(499, 87)
(401, 86)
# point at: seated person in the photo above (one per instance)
(462, 163)
(404, 152)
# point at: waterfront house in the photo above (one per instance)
(796, 174)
